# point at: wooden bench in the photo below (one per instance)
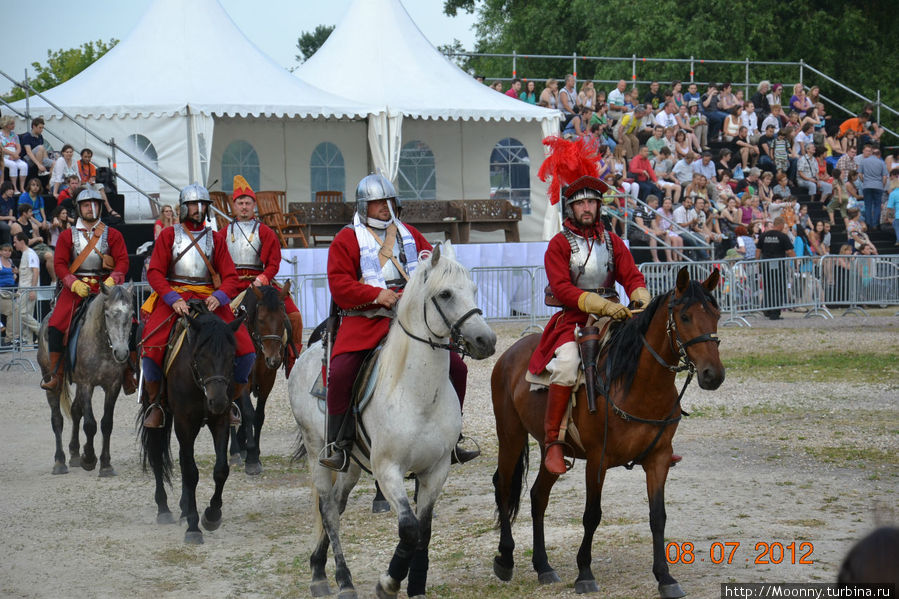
(489, 215)
(323, 219)
(435, 216)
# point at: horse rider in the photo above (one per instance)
(189, 262)
(85, 255)
(256, 253)
(369, 263)
(582, 263)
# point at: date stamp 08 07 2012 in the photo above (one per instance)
(727, 552)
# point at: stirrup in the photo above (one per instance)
(330, 462)
(569, 462)
(148, 412)
(460, 456)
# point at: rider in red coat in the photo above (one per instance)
(256, 253)
(369, 263)
(106, 262)
(178, 272)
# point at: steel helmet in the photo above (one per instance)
(192, 193)
(87, 194)
(374, 187)
(583, 188)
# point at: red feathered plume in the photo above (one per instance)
(567, 162)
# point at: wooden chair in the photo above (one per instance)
(221, 201)
(329, 197)
(286, 226)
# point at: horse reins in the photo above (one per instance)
(456, 338)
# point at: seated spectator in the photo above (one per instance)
(728, 100)
(725, 158)
(65, 166)
(855, 230)
(766, 150)
(681, 145)
(578, 125)
(656, 143)
(586, 98)
(839, 199)
(653, 97)
(33, 149)
(809, 178)
(616, 101)
(11, 149)
(854, 189)
(677, 94)
(697, 188)
(692, 94)
(33, 198)
(68, 194)
(760, 100)
(529, 94)
(643, 172)
(732, 123)
(626, 132)
(691, 134)
(647, 124)
(706, 168)
(784, 158)
(683, 169)
(666, 179)
(805, 136)
(549, 96)
(799, 101)
(749, 120)
(749, 152)
(88, 174)
(812, 117)
(858, 125)
(782, 188)
(816, 239)
(776, 119)
(765, 190)
(687, 218)
(725, 186)
(8, 210)
(26, 224)
(707, 225)
(666, 221)
(166, 219)
(59, 222)
(646, 228)
(568, 100)
(745, 245)
(665, 117)
(732, 215)
(774, 96)
(873, 131)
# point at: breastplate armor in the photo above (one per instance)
(389, 271)
(191, 268)
(588, 272)
(244, 244)
(93, 264)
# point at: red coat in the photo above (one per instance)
(560, 328)
(157, 327)
(357, 333)
(67, 301)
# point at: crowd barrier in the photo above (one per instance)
(819, 286)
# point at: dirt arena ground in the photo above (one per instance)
(799, 445)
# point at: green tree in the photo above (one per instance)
(62, 65)
(310, 41)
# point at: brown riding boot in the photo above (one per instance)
(154, 415)
(129, 377)
(675, 459)
(296, 327)
(556, 404)
(236, 418)
(55, 377)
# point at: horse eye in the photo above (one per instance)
(446, 294)
(685, 317)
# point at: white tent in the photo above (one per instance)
(430, 105)
(184, 72)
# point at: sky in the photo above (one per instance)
(273, 25)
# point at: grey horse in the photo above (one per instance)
(101, 358)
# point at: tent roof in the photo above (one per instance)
(189, 53)
(378, 53)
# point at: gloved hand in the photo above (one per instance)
(641, 297)
(593, 303)
(81, 288)
(109, 282)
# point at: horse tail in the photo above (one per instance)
(65, 396)
(155, 444)
(516, 487)
(318, 526)
(299, 447)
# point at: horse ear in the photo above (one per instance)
(285, 290)
(435, 255)
(683, 279)
(256, 291)
(235, 324)
(448, 250)
(713, 280)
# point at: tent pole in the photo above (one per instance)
(191, 145)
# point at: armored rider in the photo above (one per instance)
(256, 253)
(369, 263)
(582, 262)
(188, 262)
(86, 255)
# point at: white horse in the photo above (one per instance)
(413, 419)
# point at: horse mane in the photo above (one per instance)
(626, 341)
(213, 335)
(270, 300)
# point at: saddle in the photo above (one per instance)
(75, 330)
(178, 334)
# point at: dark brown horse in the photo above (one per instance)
(267, 323)
(635, 421)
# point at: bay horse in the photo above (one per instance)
(267, 323)
(636, 373)
(413, 420)
(101, 356)
(198, 388)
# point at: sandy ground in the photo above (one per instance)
(810, 463)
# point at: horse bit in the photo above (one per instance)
(456, 342)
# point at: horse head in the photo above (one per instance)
(693, 322)
(212, 358)
(267, 322)
(118, 312)
(451, 309)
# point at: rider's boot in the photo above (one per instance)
(129, 377)
(154, 415)
(236, 419)
(54, 379)
(675, 459)
(341, 435)
(461, 455)
(556, 404)
(296, 327)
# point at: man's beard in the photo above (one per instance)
(583, 217)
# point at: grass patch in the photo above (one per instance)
(806, 522)
(861, 367)
(851, 456)
(180, 556)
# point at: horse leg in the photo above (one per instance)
(395, 492)
(109, 400)
(428, 487)
(586, 582)
(56, 423)
(84, 397)
(508, 483)
(212, 515)
(254, 465)
(332, 500)
(539, 499)
(235, 445)
(75, 442)
(190, 476)
(656, 474)
(379, 504)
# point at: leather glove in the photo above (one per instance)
(109, 282)
(81, 288)
(593, 303)
(641, 297)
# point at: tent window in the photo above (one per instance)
(240, 159)
(326, 170)
(417, 178)
(510, 174)
(133, 176)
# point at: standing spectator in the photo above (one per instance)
(715, 116)
(529, 94)
(766, 150)
(873, 174)
(11, 148)
(33, 149)
(617, 101)
(839, 200)
(64, 167)
(893, 204)
(29, 276)
(515, 89)
(8, 213)
(586, 98)
(653, 97)
(8, 273)
(745, 243)
(760, 100)
(774, 243)
(549, 97)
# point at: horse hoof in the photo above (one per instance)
(320, 588)
(75, 461)
(208, 524)
(502, 572)
(253, 468)
(381, 592)
(379, 507)
(60, 468)
(349, 593)
(235, 460)
(671, 591)
(193, 537)
(165, 518)
(243, 454)
(585, 586)
(88, 464)
(548, 577)
(107, 471)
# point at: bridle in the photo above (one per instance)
(457, 340)
(677, 345)
(258, 339)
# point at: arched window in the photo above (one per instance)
(326, 171)
(510, 173)
(133, 176)
(240, 159)
(417, 178)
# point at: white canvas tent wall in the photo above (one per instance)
(378, 52)
(184, 73)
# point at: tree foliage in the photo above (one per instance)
(310, 41)
(62, 65)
